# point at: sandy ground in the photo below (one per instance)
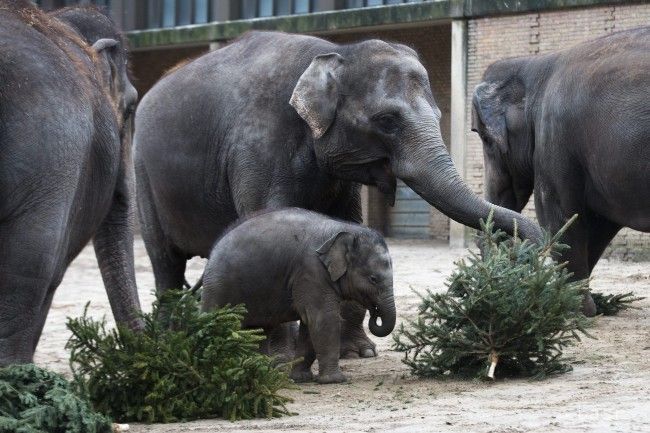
(608, 390)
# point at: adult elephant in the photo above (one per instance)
(574, 127)
(276, 120)
(64, 164)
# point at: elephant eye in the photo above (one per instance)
(388, 123)
(373, 279)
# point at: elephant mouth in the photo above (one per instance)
(376, 172)
(386, 182)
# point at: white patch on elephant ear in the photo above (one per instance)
(490, 110)
(315, 96)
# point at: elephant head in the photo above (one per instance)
(360, 265)
(99, 32)
(372, 117)
(500, 118)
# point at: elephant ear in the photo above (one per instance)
(104, 43)
(334, 254)
(316, 95)
(488, 115)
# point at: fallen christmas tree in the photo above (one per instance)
(184, 365)
(34, 400)
(611, 305)
(509, 311)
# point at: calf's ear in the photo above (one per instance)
(334, 254)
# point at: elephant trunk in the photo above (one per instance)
(426, 167)
(384, 310)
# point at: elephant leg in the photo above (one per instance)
(324, 330)
(281, 342)
(29, 262)
(577, 237)
(39, 323)
(167, 262)
(355, 342)
(113, 243)
(601, 233)
(301, 372)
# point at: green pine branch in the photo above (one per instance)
(34, 400)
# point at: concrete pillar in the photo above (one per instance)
(458, 232)
(365, 203)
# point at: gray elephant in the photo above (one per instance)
(296, 264)
(574, 127)
(276, 120)
(65, 175)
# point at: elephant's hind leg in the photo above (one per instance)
(281, 341)
(301, 372)
(167, 262)
(30, 263)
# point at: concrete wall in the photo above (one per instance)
(494, 38)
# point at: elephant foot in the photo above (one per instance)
(588, 305)
(336, 377)
(301, 376)
(355, 343)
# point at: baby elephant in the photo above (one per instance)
(295, 264)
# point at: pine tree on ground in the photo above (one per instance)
(509, 311)
(184, 365)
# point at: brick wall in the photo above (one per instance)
(433, 44)
(148, 66)
(491, 39)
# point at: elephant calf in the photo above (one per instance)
(295, 264)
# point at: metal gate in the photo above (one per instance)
(411, 215)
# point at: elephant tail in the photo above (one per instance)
(195, 290)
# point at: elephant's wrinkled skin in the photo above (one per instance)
(574, 126)
(295, 264)
(276, 120)
(64, 164)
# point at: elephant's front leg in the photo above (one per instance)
(324, 330)
(354, 340)
(553, 215)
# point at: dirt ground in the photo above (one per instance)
(608, 390)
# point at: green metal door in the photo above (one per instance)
(410, 217)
